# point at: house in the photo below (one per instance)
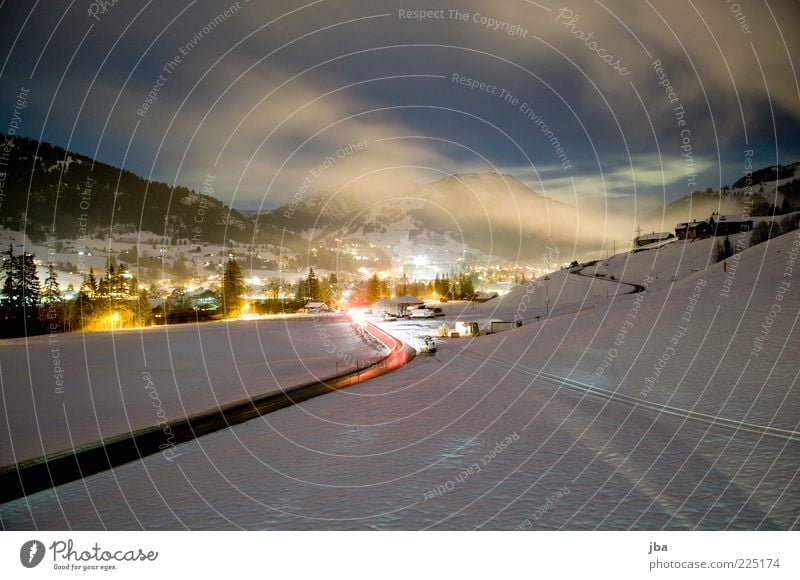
(692, 230)
(652, 238)
(726, 225)
(397, 306)
(315, 308)
(203, 299)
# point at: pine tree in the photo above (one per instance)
(313, 292)
(21, 294)
(402, 289)
(52, 312)
(373, 289)
(444, 285)
(89, 285)
(232, 288)
(10, 295)
(466, 288)
(50, 291)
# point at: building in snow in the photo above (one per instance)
(652, 238)
(726, 225)
(315, 308)
(397, 306)
(203, 299)
(692, 230)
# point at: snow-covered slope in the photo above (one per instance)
(65, 390)
(486, 435)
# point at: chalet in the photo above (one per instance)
(203, 299)
(726, 225)
(652, 238)
(692, 230)
(315, 308)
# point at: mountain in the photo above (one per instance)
(50, 191)
(766, 175)
(468, 216)
(770, 189)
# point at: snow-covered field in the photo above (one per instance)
(65, 390)
(485, 435)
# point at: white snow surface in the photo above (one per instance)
(118, 382)
(478, 436)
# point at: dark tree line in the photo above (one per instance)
(28, 307)
(21, 296)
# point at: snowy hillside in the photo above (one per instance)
(690, 424)
(66, 390)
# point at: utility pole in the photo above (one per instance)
(547, 301)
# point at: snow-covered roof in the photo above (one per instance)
(732, 218)
(405, 300)
(655, 236)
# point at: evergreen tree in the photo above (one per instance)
(53, 305)
(373, 289)
(444, 287)
(21, 294)
(313, 291)
(402, 288)
(466, 288)
(232, 288)
(144, 313)
(10, 293)
(89, 285)
(50, 291)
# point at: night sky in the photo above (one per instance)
(588, 100)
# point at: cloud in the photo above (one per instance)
(373, 76)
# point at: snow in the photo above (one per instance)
(504, 432)
(118, 382)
